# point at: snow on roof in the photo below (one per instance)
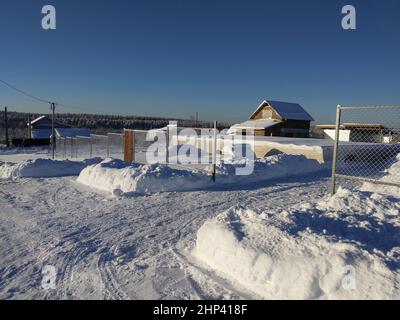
(255, 124)
(72, 132)
(38, 119)
(37, 123)
(286, 110)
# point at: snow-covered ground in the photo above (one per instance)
(21, 154)
(277, 237)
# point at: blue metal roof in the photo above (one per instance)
(287, 110)
(292, 111)
(72, 132)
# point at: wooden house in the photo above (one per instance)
(276, 118)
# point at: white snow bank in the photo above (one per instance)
(273, 167)
(118, 177)
(41, 168)
(392, 176)
(306, 252)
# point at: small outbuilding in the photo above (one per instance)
(276, 118)
(41, 127)
(358, 132)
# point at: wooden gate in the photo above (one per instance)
(129, 145)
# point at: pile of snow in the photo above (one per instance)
(392, 176)
(346, 247)
(118, 177)
(41, 168)
(273, 167)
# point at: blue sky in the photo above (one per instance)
(220, 58)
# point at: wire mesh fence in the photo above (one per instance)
(141, 144)
(115, 145)
(133, 146)
(103, 146)
(98, 145)
(81, 147)
(367, 145)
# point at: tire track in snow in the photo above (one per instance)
(112, 289)
(215, 279)
(66, 270)
(82, 243)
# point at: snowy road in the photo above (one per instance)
(127, 248)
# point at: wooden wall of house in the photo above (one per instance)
(298, 124)
(260, 132)
(266, 113)
(274, 131)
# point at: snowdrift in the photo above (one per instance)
(41, 168)
(392, 176)
(118, 177)
(305, 253)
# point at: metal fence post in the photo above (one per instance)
(214, 155)
(91, 146)
(133, 145)
(335, 148)
(72, 148)
(108, 145)
(167, 146)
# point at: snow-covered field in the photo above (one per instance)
(153, 232)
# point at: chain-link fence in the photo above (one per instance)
(82, 147)
(141, 145)
(103, 146)
(132, 146)
(367, 145)
(115, 145)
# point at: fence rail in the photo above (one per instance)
(367, 145)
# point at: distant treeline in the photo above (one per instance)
(98, 123)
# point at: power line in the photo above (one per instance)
(24, 92)
(50, 102)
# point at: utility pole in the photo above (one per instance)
(6, 127)
(197, 119)
(53, 136)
